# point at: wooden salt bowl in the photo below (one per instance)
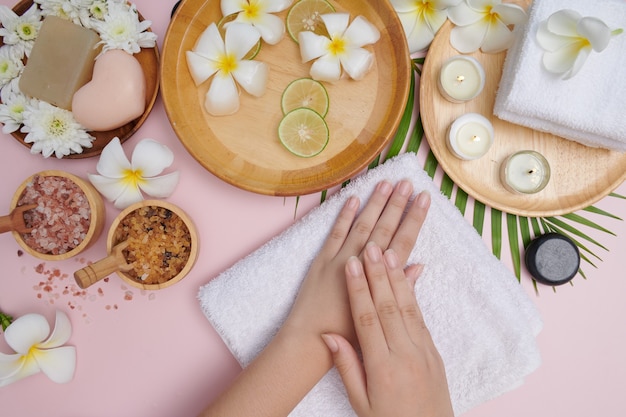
(96, 221)
(116, 262)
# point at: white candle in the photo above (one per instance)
(461, 78)
(470, 136)
(525, 172)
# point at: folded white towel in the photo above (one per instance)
(481, 320)
(588, 108)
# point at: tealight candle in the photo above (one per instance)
(470, 136)
(461, 78)
(525, 172)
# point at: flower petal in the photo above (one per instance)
(549, 40)
(58, 364)
(361, 32)
(210, 43)
(326, 68)
(275, 6)
(252, 76)
(336, 23)
(510, 14)
(564, 22)
(271, 27)
(419, 34)
(10, 365)
(27, 331)
(25, 368)
(240, 38)
(436, 19)
(113, 162)
(312, 45)
(581, 57)
(61, 332)
(595, 31)
(463, 15)
(232, 6)
(110, 188)
(200, 67)
(160, 187)
(357, 62)
(403, 6)
(130, 194)
(498, 38)
(467, 39)
(222, 98)
(151, 158)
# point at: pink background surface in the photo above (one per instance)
(154, 354)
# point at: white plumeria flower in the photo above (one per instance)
(223, 60)
(53, 130)
(11, 65)
(421, 20)
(38, 350)
(484, 24)
(569, 38)
(123, 181)
(12, 108)
(20, 31)
(258, 13)
(121, 29)
(344, 48)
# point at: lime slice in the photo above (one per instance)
(221, 27)
(305, 15)
(303, 132)
(305, 92)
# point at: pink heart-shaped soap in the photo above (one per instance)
(115, 95)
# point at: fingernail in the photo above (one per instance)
(331, 343)
(391, 258)
(352, 202)
(414, 273)
(423, 199)
(385, 188)
(405, 188)
(373, 252)
(354, 266)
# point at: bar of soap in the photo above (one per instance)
(552, 259)
(115, 95)
(60, 63)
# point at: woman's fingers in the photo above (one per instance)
(405, 237)
(390, 219)
(341, 229)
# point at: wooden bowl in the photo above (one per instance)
(149, 60)
(116, 260)
(243, 149)
(97, 215)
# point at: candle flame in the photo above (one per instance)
(475, 138)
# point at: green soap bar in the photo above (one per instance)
(60, 63)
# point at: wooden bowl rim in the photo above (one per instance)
(193, 233)
(96, 220)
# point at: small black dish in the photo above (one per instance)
(552, 259)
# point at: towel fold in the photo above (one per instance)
(589, 107)
(480, 318)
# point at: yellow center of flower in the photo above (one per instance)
(4, 67)
(27, 32)
(57, 127)
(491, 16)
(337, 45)
(424, 8)
(226, 64)
(133, 177)
(251, 10)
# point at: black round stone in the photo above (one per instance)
(552, 259)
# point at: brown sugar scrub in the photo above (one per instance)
(158, 244)
(61, 220)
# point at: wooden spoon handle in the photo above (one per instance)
(6, 223)
(94, 272)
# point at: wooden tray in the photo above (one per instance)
(580, 175)
(149, 60)
(243, 149)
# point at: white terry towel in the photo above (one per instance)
(588, 108)
(480, 318)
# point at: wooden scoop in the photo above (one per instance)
(14, 221)
(94, 272)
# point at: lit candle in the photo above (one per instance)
(525, 172)
(461, 78)
(470, 136)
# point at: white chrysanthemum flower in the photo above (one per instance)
(344, 49)
(98, 9)
(484, 25)
(259, 14)
(38, 350)
(76, 11)
(53, 130)
(20, 31)
(121, 29)
(123, 181)
(12, 108)
(223, 60)
(421, 20)
(568, 39)
(11, 65)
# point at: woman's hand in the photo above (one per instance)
(322, 304)
(402, 373)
